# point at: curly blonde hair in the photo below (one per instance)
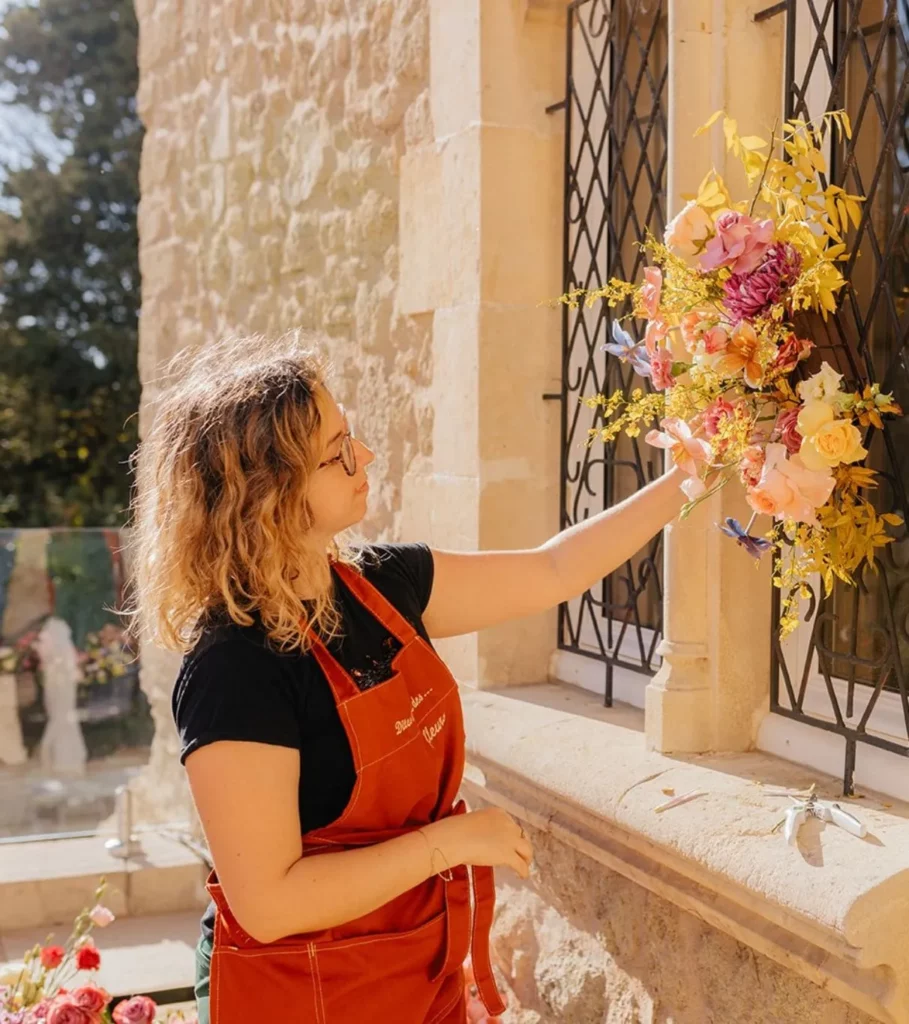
(220, 513)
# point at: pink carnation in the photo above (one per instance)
(739, 243)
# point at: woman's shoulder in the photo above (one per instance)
(230, 656)
(395, 567)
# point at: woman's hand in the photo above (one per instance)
(489, 837)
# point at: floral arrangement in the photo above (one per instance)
(22, 656)
(107, 655)
(730, 390)
(45, 987)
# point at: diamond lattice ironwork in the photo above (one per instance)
(615, 192)
(848, 672)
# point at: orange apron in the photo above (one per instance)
(401, 963)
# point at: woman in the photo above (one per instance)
(321, 734)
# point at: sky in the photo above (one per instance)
(21, 129)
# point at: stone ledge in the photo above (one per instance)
(48, 882)
(834, 910)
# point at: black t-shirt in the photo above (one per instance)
(233, 686)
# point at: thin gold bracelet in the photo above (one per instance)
(446, 874)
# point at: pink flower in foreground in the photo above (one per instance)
(740, 243)
(138, 1010)
(787, 489)
(687, 451)
(91, 997)
(651, 290)
(65, 1010)
(661, 369)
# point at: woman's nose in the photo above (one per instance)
(365, 454)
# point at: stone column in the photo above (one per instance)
(713, 686)
(480, 243)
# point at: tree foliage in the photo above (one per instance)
(69, 276)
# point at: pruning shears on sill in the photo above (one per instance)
(807, 806)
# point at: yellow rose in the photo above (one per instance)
(834, 443)
(813, 416)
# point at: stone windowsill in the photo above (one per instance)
(834, 909)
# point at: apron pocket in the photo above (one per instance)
(263, 984)
(378, 977)
(389, 977)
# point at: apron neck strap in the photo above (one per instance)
(376, 603)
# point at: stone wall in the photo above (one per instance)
(582, 944)
(270, 198)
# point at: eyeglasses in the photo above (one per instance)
(347, 456)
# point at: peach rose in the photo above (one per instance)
(788, 489)
(687, 232)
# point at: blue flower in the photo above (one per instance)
(755, 546)
(627, 350)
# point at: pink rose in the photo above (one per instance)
(36, 1013)
(739, 243)
(138, 1010)
(787, 489)
(650, 291)
(661, 369)
(714, 415)
(65, 1010)
(91, 997)
(788, 429)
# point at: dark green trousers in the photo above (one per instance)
(203, 975)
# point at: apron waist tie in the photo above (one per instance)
(466, 933)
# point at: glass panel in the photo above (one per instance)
(74, 723)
